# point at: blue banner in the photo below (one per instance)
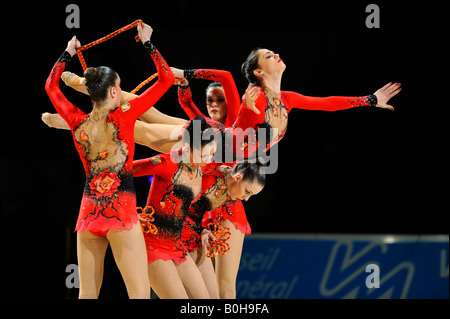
(344, 266)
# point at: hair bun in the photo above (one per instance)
(93, 75)
(98, 81)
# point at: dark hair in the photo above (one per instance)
(213, 85)
(250, 65)
(251, 172)
(207, 132)
(98, 81)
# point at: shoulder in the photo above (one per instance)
(211, 169)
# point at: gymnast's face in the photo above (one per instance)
(243, 189)
(216, 104)
(269, 63)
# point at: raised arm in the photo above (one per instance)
(229, 86)
(186, 102)
(137, 106)
(59, 101)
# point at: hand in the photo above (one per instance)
(144, 32)
(206, 237)
(178, 73)
(386, 93)
(179, 76)
(72, 45)
(251, 94)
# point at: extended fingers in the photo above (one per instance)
(394, 89)
(391, 89)
(253, 93)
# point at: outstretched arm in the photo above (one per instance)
(335, 103)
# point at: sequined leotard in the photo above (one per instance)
(109, 200)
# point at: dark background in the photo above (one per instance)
(353, 171)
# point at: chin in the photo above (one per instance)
(216, 117)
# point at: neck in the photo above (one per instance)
(272, 82)
(103, 106)
(228, 178)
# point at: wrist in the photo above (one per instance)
(372, 100)
(71, 51)
(65, 57)
(183, 83)
(189, 74)
(149, 46)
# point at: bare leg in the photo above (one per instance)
(128, 247)
(206, 268)
(165, 280)
(154, 116)
(91, 251)
(160, 137)
(75, 82)
(192, 279)
(227, 266)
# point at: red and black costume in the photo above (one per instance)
(109, 199)
(175, 185)
(214, 195)
(232, 209)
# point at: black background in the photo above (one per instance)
(353, 171)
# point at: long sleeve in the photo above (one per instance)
(331, 103)
(186, 102)
(64, 108)
(149, 166)
(229, 86)
(139, 105)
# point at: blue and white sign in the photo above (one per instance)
(344, 266)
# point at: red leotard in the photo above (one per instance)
(173, 189)
(213, 196)
(109, 200)
(232, 210)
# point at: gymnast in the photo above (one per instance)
(221, 185)
(264, 70)
(104, 141)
